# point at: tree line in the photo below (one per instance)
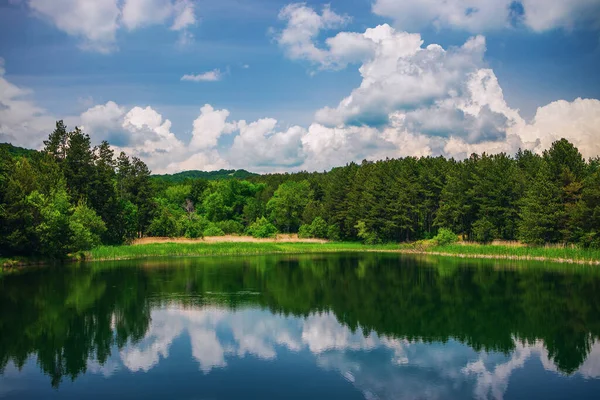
(72, 196)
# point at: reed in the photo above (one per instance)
(216, 249)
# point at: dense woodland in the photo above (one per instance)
(72, 196)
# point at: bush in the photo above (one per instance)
(86, 228)
(194, 227)
(262, 228)
(164, 224)
(445, 237)
(368, 236)
(231, 227)
(213, 230)
(484, 231)
(304, 232)
(317, 229)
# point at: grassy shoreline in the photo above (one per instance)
(560, 255)
(114, 253)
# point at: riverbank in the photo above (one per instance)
(226, 247)
(550, 254)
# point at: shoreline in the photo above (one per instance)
(227, 247)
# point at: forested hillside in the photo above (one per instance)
(184, 176)
(16, 151)
(72, 196)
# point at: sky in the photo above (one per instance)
(273, 85)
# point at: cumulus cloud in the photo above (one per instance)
(96, 23)
(210, 76)
(487, 15)
(577, 121)
(303, 26)
(260, 144)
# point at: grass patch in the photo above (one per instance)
(216, 249)
(561, 254)
(572, 255)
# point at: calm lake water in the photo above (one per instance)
(357, 326)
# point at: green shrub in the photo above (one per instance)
(262, 228)
(213, 230)
(194, 226)
(231, 227)
(367, 235)
(86, 228)
(317, 229)
(164, 224)
(304, 232)
(445, 237)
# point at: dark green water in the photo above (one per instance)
(374, 326)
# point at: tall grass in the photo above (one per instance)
(564, 254)
(225, 248)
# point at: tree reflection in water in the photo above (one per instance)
(77, 318)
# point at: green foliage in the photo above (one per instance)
(86, 228)
(333, 233)
(262, 228)
(445, 237)
(213, 230)
(367, 235)
(317, 229)
(287, 205)
(222, 174)
(231, 227)
(484, 231)
(194, 226)
(542, 210)
(54, 228)
(165, 224)
(554, 198)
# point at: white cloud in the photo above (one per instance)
(185, 15)
(260, 144)
(403, 76)
(139, 13)
(488, 15)
(210, 76)
(209, 126)
(303, 27)
(96, 22)
(577, 121)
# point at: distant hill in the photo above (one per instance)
(17, 151)
(211, 176)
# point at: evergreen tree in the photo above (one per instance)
(542, 211)
(78, 165)
(58, 142)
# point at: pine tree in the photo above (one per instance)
(78, 165)
(542, 211)
(57, 142)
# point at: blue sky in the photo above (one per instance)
(65, 57)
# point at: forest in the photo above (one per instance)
(72, 196)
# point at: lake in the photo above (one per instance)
(338, 326)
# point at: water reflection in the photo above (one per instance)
(380, 366)
(390, 327)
